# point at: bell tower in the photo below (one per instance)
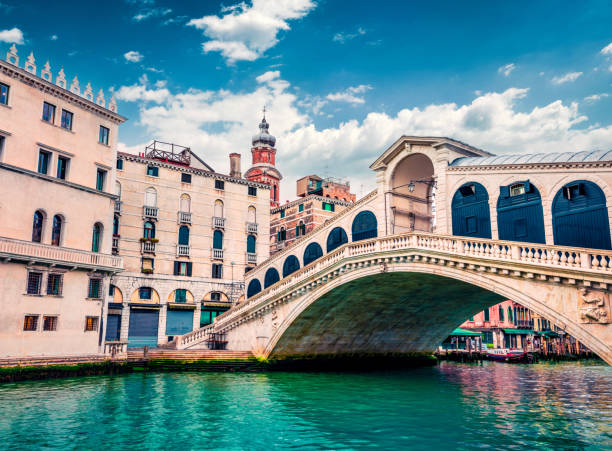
(263, 169)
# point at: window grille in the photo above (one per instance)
(34, 282)
(49, 323)
(30, 322)
(91, 323)
(55, 284)
(95, 288)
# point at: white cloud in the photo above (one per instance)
(140, 92)
(150, 13)
(349, 94)
(133, 56)
(53, 37)
(596, 97)
(14, 35)
(244, 32)
(569, 77)
(607, 50)
(506, 69)
(343, 37)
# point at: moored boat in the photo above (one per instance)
(507, 355)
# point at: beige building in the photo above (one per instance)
(187, 235)
(57, 153)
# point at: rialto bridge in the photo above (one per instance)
(449, 231)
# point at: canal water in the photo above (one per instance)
(449, 406)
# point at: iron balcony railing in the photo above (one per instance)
(218, 223)
(251, 227)
(217, 254)
(184, 217)
(251, 258)
(182, 250)
(148, 247)
(149, 212)
(118, 207)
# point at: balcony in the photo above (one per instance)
(251, 258)
(217, 254)
(149, 212)
(218, 223)
(251, 227)
(118, 207)
(182, 250)
(115, 249)
(524, 323)
(147, 247)
(184, 217)
(18, 250)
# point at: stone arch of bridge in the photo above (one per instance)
(363, 311)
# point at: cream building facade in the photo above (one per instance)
(187, 235)
(57, 153)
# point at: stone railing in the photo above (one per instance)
(115, 348)
(36, 252)
(184, 217)
(218, 223)
(193, 337)
(149, 212)
(251, 258)
(217, 254)
(251, 227)
(147, 247)
(182, 250)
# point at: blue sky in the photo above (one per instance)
(341, 79)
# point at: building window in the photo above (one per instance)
(215, 296)
(91, 323)
(218, 239)
(37, 226)
(517, 189)
(185, 178)
(180, 295)
(55, 283)
(282, 214)
(100, 179)
(34, 282)
(152, 171)
(252, 191)
(183, 236)
(300, 229)
(328, 206)
(103, 136)
(467, 190)
(572, 191)
(145, 293)
(301, 207)
(219, 184)
(149, 230)
(4, 94)
(116, 225)
(501, 313)
(48, 112)
(49, 323)
(2, 141)
(119, 164)
(251, 244)
(66, 120)
(486, 314)
(56, 230)
(282, 235)
(147, 265)
(182, 268)
(30, 322)
(43, 161)
(96, 237)
(95, 288)
(217, 271)
(62, 167)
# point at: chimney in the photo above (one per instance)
(235, 165)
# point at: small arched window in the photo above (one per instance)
(300, 229)
(219, 208)
(149, 230)
(282, 235)
(218, 239)
(183, 236)
(96, 239)
(252, 217)
(37, 226)
(501, 313)
(150, 197)
(510, 314)
(185, 203)
(251, 244)
(56, 230)
(116, 225)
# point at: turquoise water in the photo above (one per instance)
(451, 406)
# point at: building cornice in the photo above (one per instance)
(301, 200)
(523, 166)
(179, 168)
(43, 85)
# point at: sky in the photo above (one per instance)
(341, 80)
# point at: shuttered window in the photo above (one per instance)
(95, 288)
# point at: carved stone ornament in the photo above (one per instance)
(274, 319)
(594, 307)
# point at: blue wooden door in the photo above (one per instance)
(113, 327)
(179, 322)
(470, 210)
(143, 328)
(520, 216)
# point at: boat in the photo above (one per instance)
(507, 355)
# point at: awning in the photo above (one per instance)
(518, 331)
(549, 333)
(465, 332)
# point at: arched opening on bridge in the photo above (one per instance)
(271, 277)
(412, 191)
(291, 265)
(470, 208)
(253, 288)
(580, 216)
(364, 226)
(336, 238)
(519, 213)
(312, 252)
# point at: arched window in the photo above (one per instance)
(185, 203)
(510, 314)
(116, 225)
(470, 210)
(364, 226)
(218, 239)
(312, 252)
(300, 229)
(254, 288)
(271, 277)
(501, 313)
(96, 239)
(183, 236)
(149, 230)
(56, 230)
(251, 244)
(336, 238)
(251, 215)
(281, 235)
(37, 226)
(219, 208)
(291, 265)
(150, 197)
